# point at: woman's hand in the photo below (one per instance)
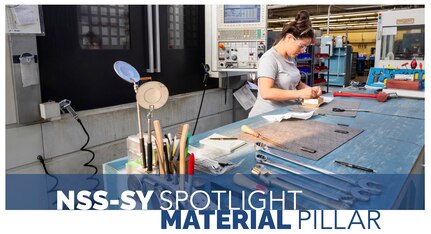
(318, 90)
(307, 93)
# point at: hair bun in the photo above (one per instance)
(302, 20)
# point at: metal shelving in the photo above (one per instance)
(312, 66)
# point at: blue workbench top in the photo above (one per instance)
(392, 143)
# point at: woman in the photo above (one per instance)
(279, 79)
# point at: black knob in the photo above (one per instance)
(259, 55)
(234, 58)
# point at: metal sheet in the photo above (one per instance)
(321, 137)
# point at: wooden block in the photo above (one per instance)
(315, 102)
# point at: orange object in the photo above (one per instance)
(404, 65)
(146, 78)
(402, 84)
(221, 46)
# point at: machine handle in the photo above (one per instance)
(158, 63)
(150, 39)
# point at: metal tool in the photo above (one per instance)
(367, 185)
(355, 166)
(256, 134)
(269, 179)
(377, 76)
(354, 192)
(335, 109)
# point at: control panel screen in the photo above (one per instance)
(235, 14)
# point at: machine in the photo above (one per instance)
(400, 38)
(235, 37)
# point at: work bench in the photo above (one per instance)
(392, 144)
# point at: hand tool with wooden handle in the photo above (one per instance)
(183, 142)
(256, 134)
(245, 182)
(182, 149)
(159, 143)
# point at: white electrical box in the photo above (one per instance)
(338, 41)
(50, 111)
(327, 45)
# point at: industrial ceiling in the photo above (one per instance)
(342, 17)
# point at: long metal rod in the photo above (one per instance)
(141, 138)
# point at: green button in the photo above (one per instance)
(259, 34)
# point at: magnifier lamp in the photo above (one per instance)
(131, 75)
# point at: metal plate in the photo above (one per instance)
(152, 93)
(127, 72)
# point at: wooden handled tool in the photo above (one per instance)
(256, 134)
(183, 142)
(159, 143)
(245, 182)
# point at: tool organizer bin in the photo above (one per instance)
(378, 76)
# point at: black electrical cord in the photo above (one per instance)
(53, 189)
(205, 81)
(93, 155)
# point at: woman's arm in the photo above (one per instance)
(268, 92)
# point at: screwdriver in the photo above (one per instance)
(256, 134)
(342, 110)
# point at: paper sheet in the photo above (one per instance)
(245, 97)
(288, 115)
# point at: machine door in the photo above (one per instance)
(81, 44)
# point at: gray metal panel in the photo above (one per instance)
(11, 117)
(27, 98)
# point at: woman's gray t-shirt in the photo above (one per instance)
(285, 75)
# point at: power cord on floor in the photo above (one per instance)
(53, 189)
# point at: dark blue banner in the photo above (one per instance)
(222, 192)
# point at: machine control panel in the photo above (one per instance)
(239, 54)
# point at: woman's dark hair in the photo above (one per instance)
(300, 28)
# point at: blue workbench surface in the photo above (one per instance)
(392, 143)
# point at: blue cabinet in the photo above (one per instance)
(340, 71)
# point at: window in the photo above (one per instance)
(403, 42)
(104, 27)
